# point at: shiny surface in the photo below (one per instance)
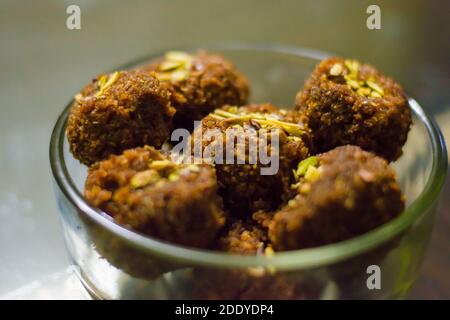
(43, 64)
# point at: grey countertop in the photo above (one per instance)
(42, 64)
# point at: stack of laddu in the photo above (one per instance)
(333, 183)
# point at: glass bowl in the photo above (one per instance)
(114, 262)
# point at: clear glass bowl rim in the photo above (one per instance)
(290, 260)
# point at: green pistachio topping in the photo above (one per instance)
(144, 178)
(375, 87)
(309, 170)
(161, 164)
(336, 69)
(367, 88)
(312, 173)
(303, 166)
(161, 171)
(175, 67)
(168, 65)
(174, 176)
(352, 66)
(106, 81)
(264, 120)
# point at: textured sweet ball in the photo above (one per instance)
(346, 102)
(199, 83)
(143, 190)
(341, 194)
(118, 111)
(243, 183)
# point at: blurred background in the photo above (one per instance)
(43, 64)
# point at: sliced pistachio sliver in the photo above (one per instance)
(169, 65)
(364, 92)
(348, 63)
(232, 109)
(144, 178)
(375, 94)
(270, 116)
(353, 84)
(164, 76)
(263, 119)
(179, 75)
(161, 164)
(352, 66)
(375, 87)
(312, 173)
(239, 120)
(225, 114)
(212, 115)
(305, 164)
(291, 128)
(112, 78)
(105, 84)
(336, 69)
(236, 122)
(102, 81)
(260, 116)
(232, 117)
(232, 113)
(173, 176)
(294, 138)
